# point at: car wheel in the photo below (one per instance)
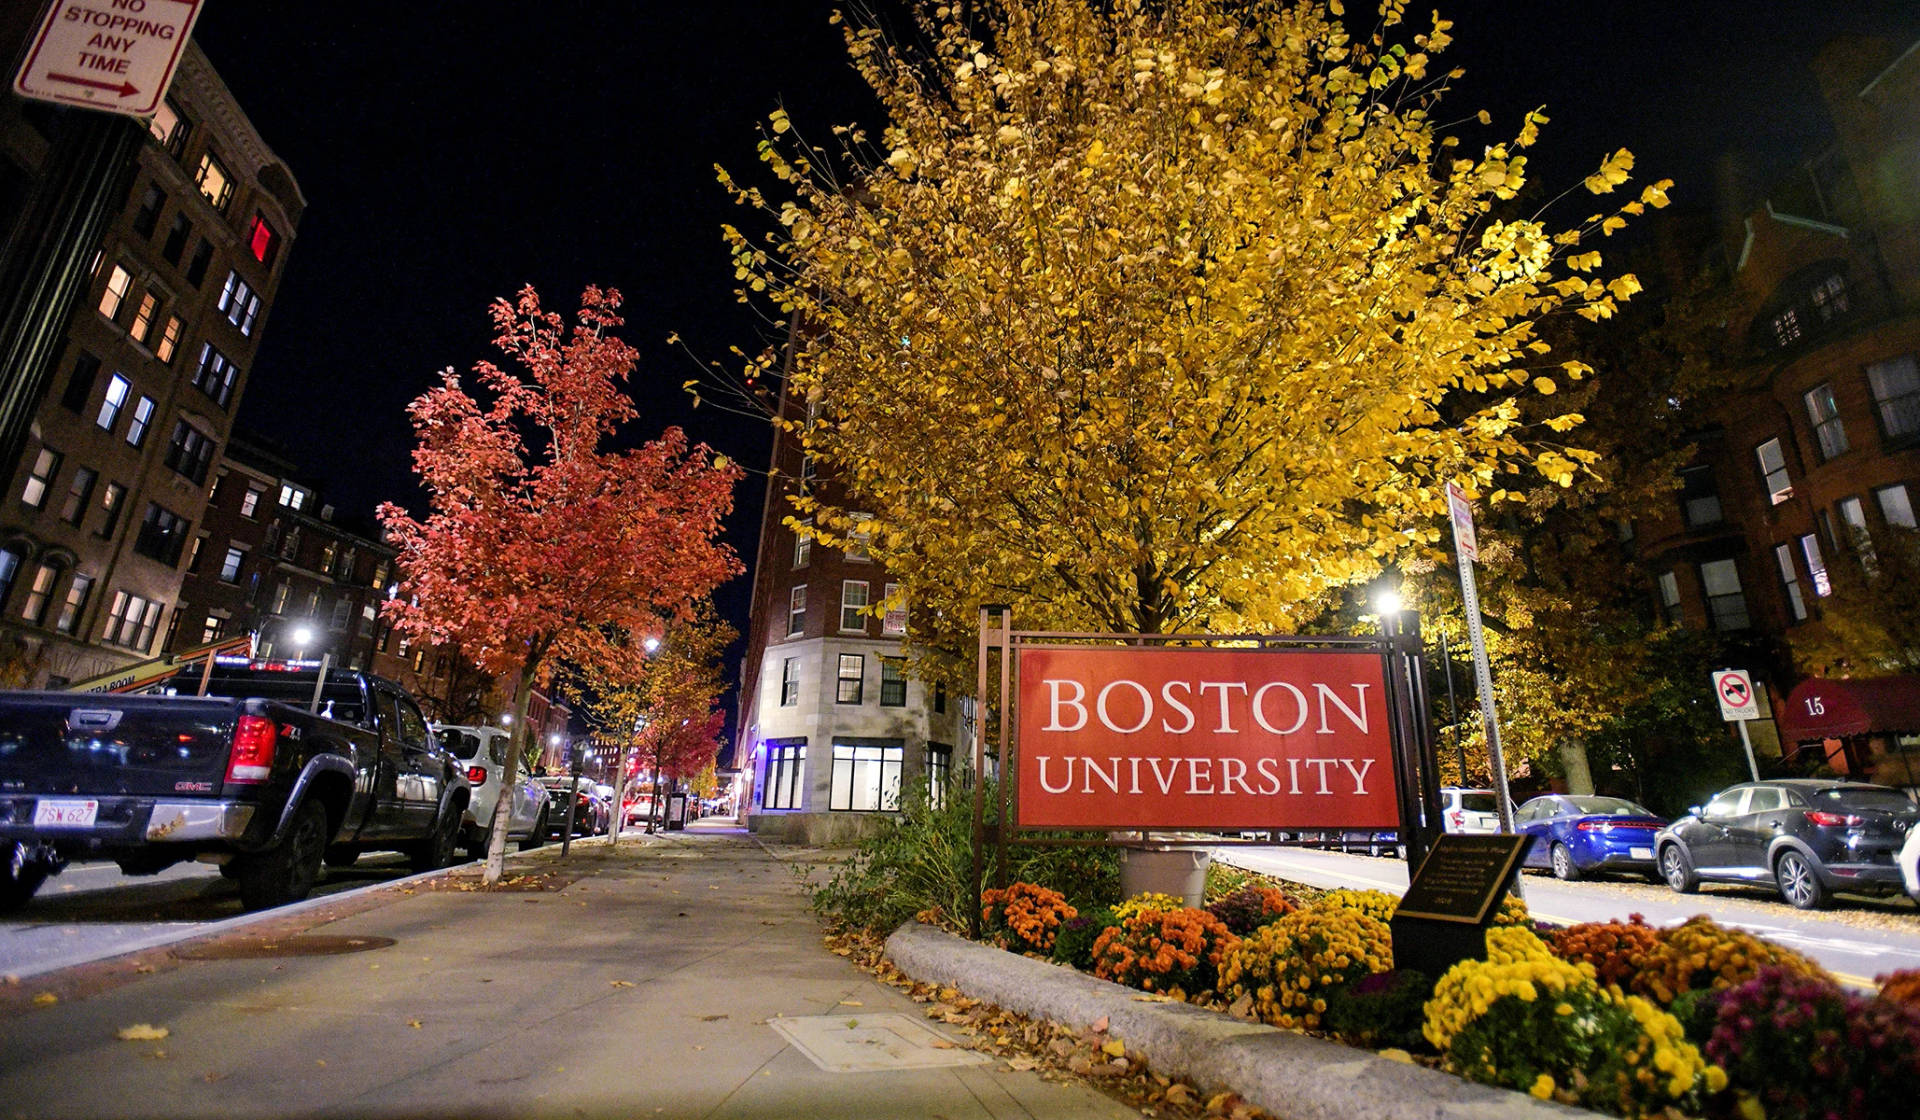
(287, 871)
(1563, 865)
(19, 878)
(538, 836)
(436, 851)
(1799, 884)
(1677, 870)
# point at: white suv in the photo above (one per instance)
(483, 750)
(1469, 810)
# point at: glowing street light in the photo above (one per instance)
(302, 635)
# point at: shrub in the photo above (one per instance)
(1249, 908)
(1702, 954)
(1616, 950)
(1901, 987)
(1380, 1010)
(1176, 951)
(1512, 912)
(1528, 1020)
(1803, 1047)
(1073, 943)
(1224, 879)
(1378, 905)
(1291, 967)
(1024, 917)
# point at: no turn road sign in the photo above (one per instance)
(1734, 689)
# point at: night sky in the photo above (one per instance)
(452, 152)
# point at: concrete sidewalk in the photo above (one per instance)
(680, 975)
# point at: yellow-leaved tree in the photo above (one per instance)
(1157, 316)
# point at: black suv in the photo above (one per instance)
(1806, 837)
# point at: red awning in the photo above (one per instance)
(1826, 709)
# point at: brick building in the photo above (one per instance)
(124, 438)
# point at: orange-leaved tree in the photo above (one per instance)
(542, 543)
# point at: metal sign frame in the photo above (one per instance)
(1416, 771)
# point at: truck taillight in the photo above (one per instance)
(254, 738)
(477, 774)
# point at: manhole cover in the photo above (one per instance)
(300, 945)
(869, 1043)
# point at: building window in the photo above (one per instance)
(212, 179)
(239, 303)
(163, 534)
(866, 778)
(111, 499)
(236, 559)
(802, 547)
(786, 762)
(262, 242)
(131, 621)
(250, 505)
(74, 605)
(40, 593)
(293, 497)
(940, 697)
(327, 553)
(169, 127)
(117, 389)
(789, 682)
(143, 318)
(939, 773)
(40, 478)
(116, 291)
(86, 370)
(176, 242)
(147, 218)
(1896, 396)
(285, 589)
(858, 539)
(894, 622)
(1895, 506)
(1786, 327)
(1816, 565)
(797, 611)
(1830, 297)
(1773, 470)
(79, 494)
(1853, 514)
(169, 340)
(190, 452)
(10, 560)
(215, 375)
(806, 474)
(1699, 497)
(853, 600)
(1790, 582)
(1670, 598)
(893, 683)
(1824, 414)
(290, 544)
(1726, 603)
(343, 613)
(202, 258)
(852, 676)
(142, 419)
(193, 554)
(210, 630)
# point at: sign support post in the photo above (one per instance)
(1466, 550)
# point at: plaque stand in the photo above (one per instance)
(1443, 918)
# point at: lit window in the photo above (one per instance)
(1790, 582)
(853, 600)
(251, 503)
(1786, 327)
(1895, 506)
(293, 497)
(1816, 565)
(1726, 602)
(45, 465)
(143, 318)
(786, 762)
(75, 604)
(131, 621)
(118, 281)
(851, 678)
(1823, 412)
(1896, 396)
(1699, 497)
(142, 419)
(239, 303)
(797, 611)
(215, 375)
(236, 559)
(1670, 597)
(327, 552)
(40, 593)
(789, 682)
(79, 495)
(280, 595)
(193, 553)
(115, 400)
(210, 631)
(866, 777)
(169, 127)
(262, 242)
(110, 503)
(802, 547)
(169, 340)
(211, 177)
(939, 773)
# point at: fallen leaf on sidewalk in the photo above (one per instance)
(711, 1018)
(1099, 1025)
(45, 999)
(851, 1003)
(414, 1023)
(1114, 1049)
(213, 1077)
(1150, 998)
(621, 983)
(1022, 1065)
(142, 1032)
(941, 1044)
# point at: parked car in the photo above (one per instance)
(1909, 860)
(590, 815)
(270, 772)
(1805, 837)
(1576, 834)
(484, 752)
(1469, 810)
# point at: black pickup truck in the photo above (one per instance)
(259, 775)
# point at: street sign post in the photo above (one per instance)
(1466, 550)
(1738, 704)
(118, 56)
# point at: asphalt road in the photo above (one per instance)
(1858, 939)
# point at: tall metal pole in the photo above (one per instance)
(1453, 712)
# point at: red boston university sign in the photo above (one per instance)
(1158, 738)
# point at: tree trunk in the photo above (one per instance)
(620, 785)
(1573, 756)
(503, 805)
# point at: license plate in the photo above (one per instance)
(55, 813)
(1640, 853)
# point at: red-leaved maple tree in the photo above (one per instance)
(542, 544)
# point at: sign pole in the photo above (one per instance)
(1746, 744)
(1466, 550)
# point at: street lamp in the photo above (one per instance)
(651, 645)
(301, 636)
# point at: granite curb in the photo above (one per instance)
(1293, 1076)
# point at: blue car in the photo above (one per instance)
(1574, 834)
